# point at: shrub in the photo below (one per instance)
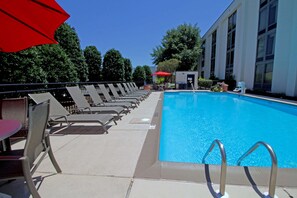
(216, 88)
(205, 83)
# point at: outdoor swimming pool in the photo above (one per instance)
(191, 121)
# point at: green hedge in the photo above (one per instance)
(204, 83)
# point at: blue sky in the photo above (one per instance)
(136, 27)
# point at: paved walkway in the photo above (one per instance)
(103, 165)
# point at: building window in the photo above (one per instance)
(262, 20)
(272, 13)
(266, 44)
(270, 45)
(261, 49)
(263, 76)
(267, 16)
(203, 54)
(230, 45)
(213, 54)
(263, 3)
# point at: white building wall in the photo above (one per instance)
(249, 43)
(284, 78)
(206, 68)
(246, 42)
(221, 49)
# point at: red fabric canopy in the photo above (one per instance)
(26, 23)
(161, 73)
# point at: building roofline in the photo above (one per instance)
(219, 18)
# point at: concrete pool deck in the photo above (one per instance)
(104, 165)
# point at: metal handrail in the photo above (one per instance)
(273, 172)
(223, 164)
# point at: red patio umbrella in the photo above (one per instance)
(161, 73)
(26, 23)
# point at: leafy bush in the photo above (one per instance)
(216, 88)
(205, 83)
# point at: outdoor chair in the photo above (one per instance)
(109, 99)
(97, 101)
(58, 114)
(21, 163)
(84, 106)
(131, 91)
(123, 92)
(135, 88)
(16, 109)
(118, 97)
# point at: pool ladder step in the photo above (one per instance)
(273, 172)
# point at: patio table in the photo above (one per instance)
(7, 129)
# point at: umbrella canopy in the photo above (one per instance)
(26, 23)
(161, 73)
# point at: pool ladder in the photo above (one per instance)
(273, 172)
(223, 164)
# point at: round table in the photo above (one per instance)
(7, 129)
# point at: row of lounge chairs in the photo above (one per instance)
(99, 111)
(19, 163)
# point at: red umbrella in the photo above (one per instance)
(161, 73)
(26, 23)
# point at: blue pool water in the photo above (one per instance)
(191, 121)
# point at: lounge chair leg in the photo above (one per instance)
(29, 180)
(105, 130)
(51, 155)
(115, 122)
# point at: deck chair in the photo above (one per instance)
(58, 114)
(84, 107)
(118, 97)
(97, 101)
(130, 91)
(109, 99)
(135, 88)
(22, 163)
(16, 109)
(123, 92)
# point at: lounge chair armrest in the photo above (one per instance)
(82, 109)
(11, 157)
(100, 104)
(54, 117)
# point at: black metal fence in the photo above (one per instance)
(58, 90)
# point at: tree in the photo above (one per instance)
(69, 41)
(148, 74)
(139, 76)
(128, 69)
(93, 60)
(56, 64)
(22, 67)
(168, 65)
(183, 44)
(113, 66)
